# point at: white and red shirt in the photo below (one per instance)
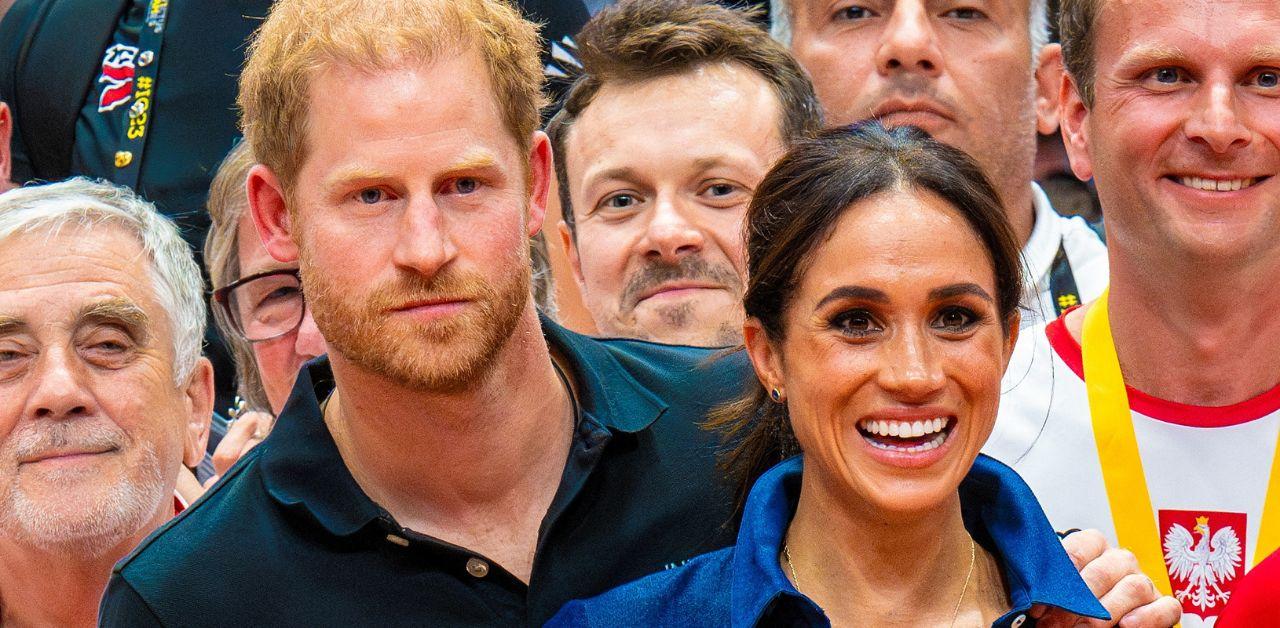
(1203, 465)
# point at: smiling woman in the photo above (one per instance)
(881, 312)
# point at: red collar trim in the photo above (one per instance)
(1264, 404)
(178, 504)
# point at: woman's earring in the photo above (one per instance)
(775, 395)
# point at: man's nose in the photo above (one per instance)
(672, 232)
(423, 243)
(909, 43)
(59, 387)
(1215, 120)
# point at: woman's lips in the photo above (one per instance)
(910, 443)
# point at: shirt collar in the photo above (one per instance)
(999, 511)
(301, 466)
(1046, 237)
(303, 470)
(606, 391)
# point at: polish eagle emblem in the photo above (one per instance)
(1202, 564)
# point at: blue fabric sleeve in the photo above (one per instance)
(572, 614)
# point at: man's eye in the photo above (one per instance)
(466, 185)
(1268, 78)
(1167, 76)
(853, 13)
(721, 189)
(855, 323)
(965, 13)
(620, 201)
(371, 195)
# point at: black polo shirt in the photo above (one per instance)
(289, 538)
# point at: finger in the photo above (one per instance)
(233, 443)
(1105, 572)
(265, 423)
(1131, 593)
(1162, 613)
(1084, 546)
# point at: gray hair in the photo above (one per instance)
(780, 25)
(84, 203)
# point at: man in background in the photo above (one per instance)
(1153, 413)
(104, 398)
(980, 77)
(679, 110)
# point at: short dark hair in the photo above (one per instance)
(795, 210)
(1075, 27)
(635, 40)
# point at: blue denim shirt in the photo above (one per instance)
(744, 585)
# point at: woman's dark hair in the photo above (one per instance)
(795, 210)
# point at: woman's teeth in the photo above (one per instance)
(905, 429)
(906, 436)
(932, 443)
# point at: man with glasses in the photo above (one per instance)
(259, 310)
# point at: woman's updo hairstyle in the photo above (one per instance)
(795, 209)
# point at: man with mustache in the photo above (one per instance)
(979, 76)
(104, 396)
(678, 111)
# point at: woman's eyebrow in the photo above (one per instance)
(854, 292)
(959, 289)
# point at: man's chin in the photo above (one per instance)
(720, 326)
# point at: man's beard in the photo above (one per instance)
(681, 316)
(96, 524)
(446, 355)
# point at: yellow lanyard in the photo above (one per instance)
(1122, 474)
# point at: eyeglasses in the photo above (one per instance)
(263, 306)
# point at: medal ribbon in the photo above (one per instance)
(1122, 473)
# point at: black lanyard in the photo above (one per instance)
(133, 141)
(1062, 282)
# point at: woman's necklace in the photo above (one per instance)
(955, 614)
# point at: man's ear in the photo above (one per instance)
(198, 397)
(764, 356)
(1074, 117)
(271, 213)
(6, 157)
(540, 166)
(1049, 73)
(571, 250)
